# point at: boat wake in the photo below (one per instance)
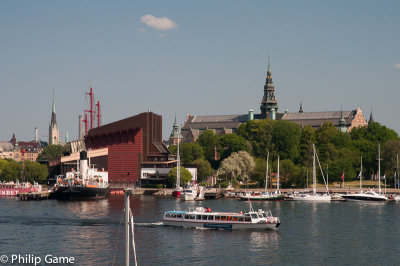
(149, 224)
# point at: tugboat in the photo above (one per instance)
(86, 184)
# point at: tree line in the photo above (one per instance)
(339, 153)
(11, 170)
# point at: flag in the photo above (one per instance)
(342, 176)
(384, 177)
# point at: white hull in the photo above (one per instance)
(220, 225)
(312, 198)
(187, 196)
(364, 197)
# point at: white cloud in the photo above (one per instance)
(158, 23)
(396, 65)
(162, 35)
(142, 29)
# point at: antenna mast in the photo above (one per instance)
(91, 111)
(98, 114)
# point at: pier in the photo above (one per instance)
(42, 195)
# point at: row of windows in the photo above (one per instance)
(210, 217)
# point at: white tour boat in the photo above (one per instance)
(205, 218)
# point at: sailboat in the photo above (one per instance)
(397, 198)
(314, 196)
(277, 196)
(178, 189)
(369, 195)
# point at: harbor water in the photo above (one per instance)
(311, 233)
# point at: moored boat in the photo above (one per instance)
(262, 196)
(12, 189)
(87, 183)
(205, 218)
(370, 195)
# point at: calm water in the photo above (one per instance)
(310, 233)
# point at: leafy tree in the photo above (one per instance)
(185, 176)
(51, 152)
(288, 172)
(389, 158)
(189, 152)
(286, 139)
(10, 170)
(307, 138)
(230, 143)
(35, 172)
(238, 166)
(204, 169)
(258, 174)
(258, 134)
(208, 140)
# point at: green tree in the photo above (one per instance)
(204, 169)
(286, 139)
(258, 173)
(51, 152)
(230, 143)
(11, 170)
(185, 176)
(307, 138)
(35, 172)
(288, 172)
(189, 152)
(208, 140)
(389, 158)
(258, 134)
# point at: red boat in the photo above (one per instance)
(12, 189)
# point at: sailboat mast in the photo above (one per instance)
(379, 169)
(397, 170)
(314, 173)
(277, 179)
(178, 167)
(127, 227)
(266, 175)
(361, 176)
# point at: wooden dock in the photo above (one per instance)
(42, 195)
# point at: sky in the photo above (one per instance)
(194, 57)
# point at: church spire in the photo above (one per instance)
(301, 107)
(54, 134)
(268, 101)
(371, 117)
(342, 122)
(176, 133)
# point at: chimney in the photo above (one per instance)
(36, 134)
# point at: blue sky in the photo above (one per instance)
(208, 57)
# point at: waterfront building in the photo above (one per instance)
(344, 120)
(131, 150)
(21, 150)
(54, 132)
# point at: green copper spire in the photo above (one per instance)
(66, 137)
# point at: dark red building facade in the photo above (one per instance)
(131, 142)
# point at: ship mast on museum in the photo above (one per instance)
(89, 122)
(269, 104)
